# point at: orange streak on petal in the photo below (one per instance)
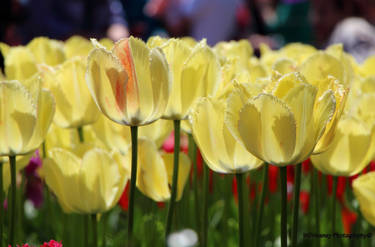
(122, 51)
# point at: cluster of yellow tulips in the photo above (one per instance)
(72, 99)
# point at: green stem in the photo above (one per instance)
(261, 206)
(50, 215)
(80, 134)
(193, 157)
(94, 230)
(175, 177)
(86, 220)
(104, 223)
(334, 189)
(205, 205)
(284, 240)
(239, 177)
(316, 196)
(1, 204)
(133, 179)
(297, 188)
(13, 207)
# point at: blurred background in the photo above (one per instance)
(274, 22)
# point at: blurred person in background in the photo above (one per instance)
(327, 14)
(214, 20)
(60, 19)
(357, 36)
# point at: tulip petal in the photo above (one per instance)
(99, 188)
(60, 170)
(267, 128)
(77, 46)
(176, 53)
(320, 65)
(351, 149)
(48, 51)
(20, 64)
(183, 171)
(107, 82)
(363, 188)
(17, 118)
(45, 114)
(152, 178)
(161, 82)
(301, 101)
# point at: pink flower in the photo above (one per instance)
(52, 243)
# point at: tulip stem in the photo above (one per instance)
(284, 240)
(297, 188)
(86, 220)
(133, 179)
(334, 189)
(80, 134)
(13, 207)
(193, 157)
(261, 206)
(94, 230)
(241, 215)
(175, 177)
(1, 204)
(316, 190)
(205, 205)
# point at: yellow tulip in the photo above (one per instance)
(351, 150)
(281, 126)
(25, 116)
(74, 104)
(90, 183)
(320, 65)
(47, 51)
(77, 46)
(364, 191)
(294, 52)
(131, 83)
(20, 64)
(239, 50)
(195, 73)
(154, 173)
(219, 148)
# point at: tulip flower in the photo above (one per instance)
(20, 64)
(283, 125)
(77, 46)
(47, 51)
(239, 50)
(130, 85)
(27, 113)
(194, 73)
(364, 190)
(89, 182)
(219, 148)
(74, 104)
(352, 149)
